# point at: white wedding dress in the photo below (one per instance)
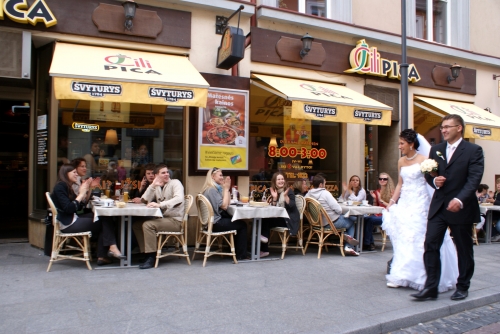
(406, 224)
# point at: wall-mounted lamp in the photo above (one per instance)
(455, 72)
(307, 41)
(495, 76)
(111, 137)
(129, 7)
(488, 109)
(273, 142)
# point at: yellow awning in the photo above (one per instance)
(100, 74)
(325, 102)
(479, 123)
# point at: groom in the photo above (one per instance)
(454, 205)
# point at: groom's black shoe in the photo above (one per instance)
(459, 295)
(426, 294)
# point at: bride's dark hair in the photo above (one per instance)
(410, 136)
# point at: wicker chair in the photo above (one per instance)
(59, 246)
(284, 233)
(180, 237)
(206, 219)
(316, 215)
(474, 234)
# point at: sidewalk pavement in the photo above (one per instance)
(300, 294)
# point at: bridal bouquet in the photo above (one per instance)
(429, 166)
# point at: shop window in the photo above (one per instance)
(299, 148)
(119, 139)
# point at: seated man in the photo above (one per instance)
(148, 178)
(169, 197)
(334, 211)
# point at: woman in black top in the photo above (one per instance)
(68, 204)
(284, 197)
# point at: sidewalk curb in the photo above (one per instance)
(430, 315)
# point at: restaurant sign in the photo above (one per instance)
(18, 11)
(481, 132)
(231, 49)
(367, 60)
(85, 127)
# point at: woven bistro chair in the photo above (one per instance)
(474, 234)
(59, 246)
(316, 215)
(206, 218)
(284, 232)
(180, 237)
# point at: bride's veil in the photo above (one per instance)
(424, 148)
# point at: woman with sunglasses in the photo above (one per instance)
(381, 197)
(282, 196)
(217, 190)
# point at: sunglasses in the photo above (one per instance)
(215, 170)
(383, 179)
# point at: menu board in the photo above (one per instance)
(42, 147)
(223, 129)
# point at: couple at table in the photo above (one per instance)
(217, 190)
(425, 257)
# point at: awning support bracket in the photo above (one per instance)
(76, 105)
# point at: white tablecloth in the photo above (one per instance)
(359, 210)
(251, 212)
(131, 209)
(485, 209)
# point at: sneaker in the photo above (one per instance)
(349, 251)
(264, 254)
(350, 240)
(495, 238)
(263, 239)
(392, 285)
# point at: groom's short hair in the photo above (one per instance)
(457, 118)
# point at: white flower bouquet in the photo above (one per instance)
(429, 166)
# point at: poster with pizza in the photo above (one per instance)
(223, 129)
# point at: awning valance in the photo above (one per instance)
(479, 123)
(101, 74)
(325, 102)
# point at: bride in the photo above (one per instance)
(406, 221)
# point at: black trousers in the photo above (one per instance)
(240, 239)
(267, 224)
(102, 230)
(462, 236)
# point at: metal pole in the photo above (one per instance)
(404, 69)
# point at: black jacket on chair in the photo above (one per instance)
(66, 208)
(293, 223)
(463, 174)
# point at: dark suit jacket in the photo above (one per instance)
(66, 208)
(463, 174)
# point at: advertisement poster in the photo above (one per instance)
(223, 129)
(109, 111)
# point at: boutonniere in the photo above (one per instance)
(439, 154)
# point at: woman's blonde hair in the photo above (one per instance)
(387, 193)
(209, 181)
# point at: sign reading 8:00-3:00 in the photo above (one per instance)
(292, 152)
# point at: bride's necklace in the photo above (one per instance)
(413, 157)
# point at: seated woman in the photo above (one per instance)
(68, 204)
(381, 197)
(216, 190)
(284, 197)
(354, 191)
(301, 187)
(80, 164)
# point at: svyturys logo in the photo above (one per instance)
(95, 89)
(319, 111)
(367, 116)
(482, 132)
(171, 95)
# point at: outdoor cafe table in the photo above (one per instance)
(359, 211)
(256, 213)
(488, 225)
(126, 213)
